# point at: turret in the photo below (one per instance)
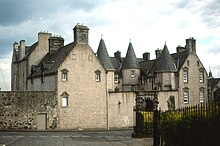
(130, 70)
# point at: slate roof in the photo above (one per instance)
(213, 82)
(29, 50)
(165, 62)
(103, 56)
(179, 58)
(147, 65)
(51, 63)
(130, 61)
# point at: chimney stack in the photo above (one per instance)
(55, 43)
(180, 49)
(157, 53)
(146, 56)
(191, 45)
(81, 34)
(118, 55)
(21, 49)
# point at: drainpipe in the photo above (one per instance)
(107, 96)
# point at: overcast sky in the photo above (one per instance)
(146, 23)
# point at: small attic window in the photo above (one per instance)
(64, 75)
(97, 75)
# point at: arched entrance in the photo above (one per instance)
(146, 104)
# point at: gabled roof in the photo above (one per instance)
(147, 65)
(130, 61)
(165, 62)
(52, 62)
(103, 56)
(179, 58)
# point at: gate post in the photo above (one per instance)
(156, 133)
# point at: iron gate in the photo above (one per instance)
(146, 116)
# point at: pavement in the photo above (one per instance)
(72, 138)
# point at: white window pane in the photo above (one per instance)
(97, 77)
(64, 101)
(133, 73)
(186, 96)
(201, 95)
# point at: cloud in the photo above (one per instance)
(14, 12)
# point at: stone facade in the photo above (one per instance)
(193, 85)
(95, 90)
(19, 109)
(86, 96)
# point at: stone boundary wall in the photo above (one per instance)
(120, 109)
(19, 109)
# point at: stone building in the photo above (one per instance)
(94, 90)
(213, 88)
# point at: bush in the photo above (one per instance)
(194, 128)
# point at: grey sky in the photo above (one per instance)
(148, 24)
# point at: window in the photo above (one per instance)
(64, 101)
(197, 63)
(185, 76)
(133, 73)
(64, 75)
(186, 96)
(116, 78)
(132, 88)
(65, 97)
(97, 75)
(201, 76)
(201, 95)
(187, 62)
(142, 80)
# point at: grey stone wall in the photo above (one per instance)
(19, 109)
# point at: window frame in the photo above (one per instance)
(98, 76)
(185, 96)
(185, 75)
(201, 76)
(116, 80)
(64, 75)
(201, 92)
(64, 100)
(133, 74)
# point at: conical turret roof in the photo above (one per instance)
(130, 61)
(165, 62)
(103, 56)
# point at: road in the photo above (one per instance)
(75, 138)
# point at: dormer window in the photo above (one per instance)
(64, 75)
(97, 75)
(133, 73)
